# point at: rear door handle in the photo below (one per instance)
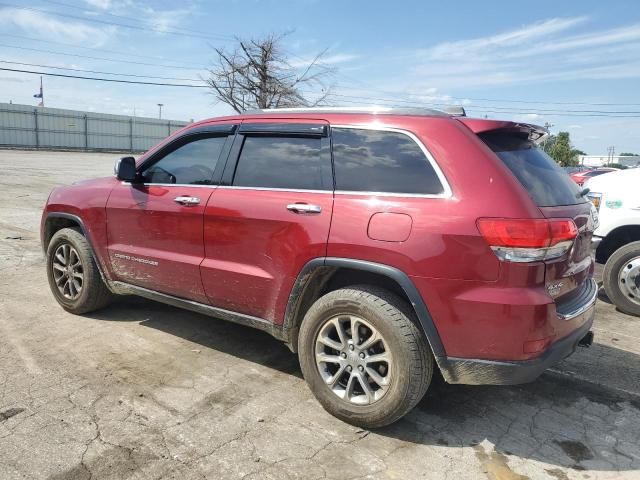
(304, 208)
(187, 201)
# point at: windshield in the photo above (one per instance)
(546, 183)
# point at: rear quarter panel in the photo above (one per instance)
(444, 241)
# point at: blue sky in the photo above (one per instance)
(574, 64)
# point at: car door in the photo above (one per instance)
(155, 226)
(270, 216)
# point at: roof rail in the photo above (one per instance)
(364, 109)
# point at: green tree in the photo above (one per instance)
(627, 154)
(560, 149)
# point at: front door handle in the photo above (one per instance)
(187, 201)
(304, 208)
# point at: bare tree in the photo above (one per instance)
(256, 74)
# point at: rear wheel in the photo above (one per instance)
(363, 357)
(621, 278)
(73, 275)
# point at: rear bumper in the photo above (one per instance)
(490, 372)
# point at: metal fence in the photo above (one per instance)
(25, 126)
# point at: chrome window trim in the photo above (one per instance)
(391, 194)
(299, 190)
(447, 193)
(181, 185)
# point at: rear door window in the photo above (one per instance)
(299, 163)
(546, 183)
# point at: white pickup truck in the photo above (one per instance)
(616, 196)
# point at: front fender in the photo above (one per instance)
(84, 204)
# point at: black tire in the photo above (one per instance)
(93, 294)
(412, 365)
(615, 264)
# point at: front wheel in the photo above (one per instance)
(363, 357)
(73, 275)
(621, 278)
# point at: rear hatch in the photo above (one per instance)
(558, 197)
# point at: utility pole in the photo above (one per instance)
(40, 95)
(160, 105)
(611, 151)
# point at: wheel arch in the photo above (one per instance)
(615, 239)
(56, 221)
(322, 275)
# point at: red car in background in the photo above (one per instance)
(581, 177)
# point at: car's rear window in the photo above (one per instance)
(547, 184)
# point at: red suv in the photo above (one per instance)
(380, 246)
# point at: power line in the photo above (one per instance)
(117, 52)
(99, 72)
(136, 20)
(53, 52)
(499, 108)
(384, 101)
(106, 22)
(136, 82)
(490, 110)
(198, 34)
(476, 99)
(115, 80)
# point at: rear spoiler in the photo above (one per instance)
(536, 133)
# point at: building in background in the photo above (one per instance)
(606, 159)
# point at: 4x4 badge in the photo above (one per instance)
(554, 288)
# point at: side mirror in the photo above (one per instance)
(125, 169)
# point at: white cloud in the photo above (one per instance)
(580, 42)
(47, 26)
(513, 38)
(164, 20)
(300, 62)
(540, 52)
(102, 4)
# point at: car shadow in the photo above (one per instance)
(556, 420)
(244, 342)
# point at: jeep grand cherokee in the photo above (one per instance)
(379, 245)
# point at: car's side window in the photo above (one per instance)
(289, 162)
(191, 163)
(381, 161)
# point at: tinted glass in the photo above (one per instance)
(547, 184)
(284, 162)
(192, 163)
(377, 161)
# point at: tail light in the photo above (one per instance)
(528, 240)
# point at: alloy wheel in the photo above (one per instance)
(68, 272)
(353, 359)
